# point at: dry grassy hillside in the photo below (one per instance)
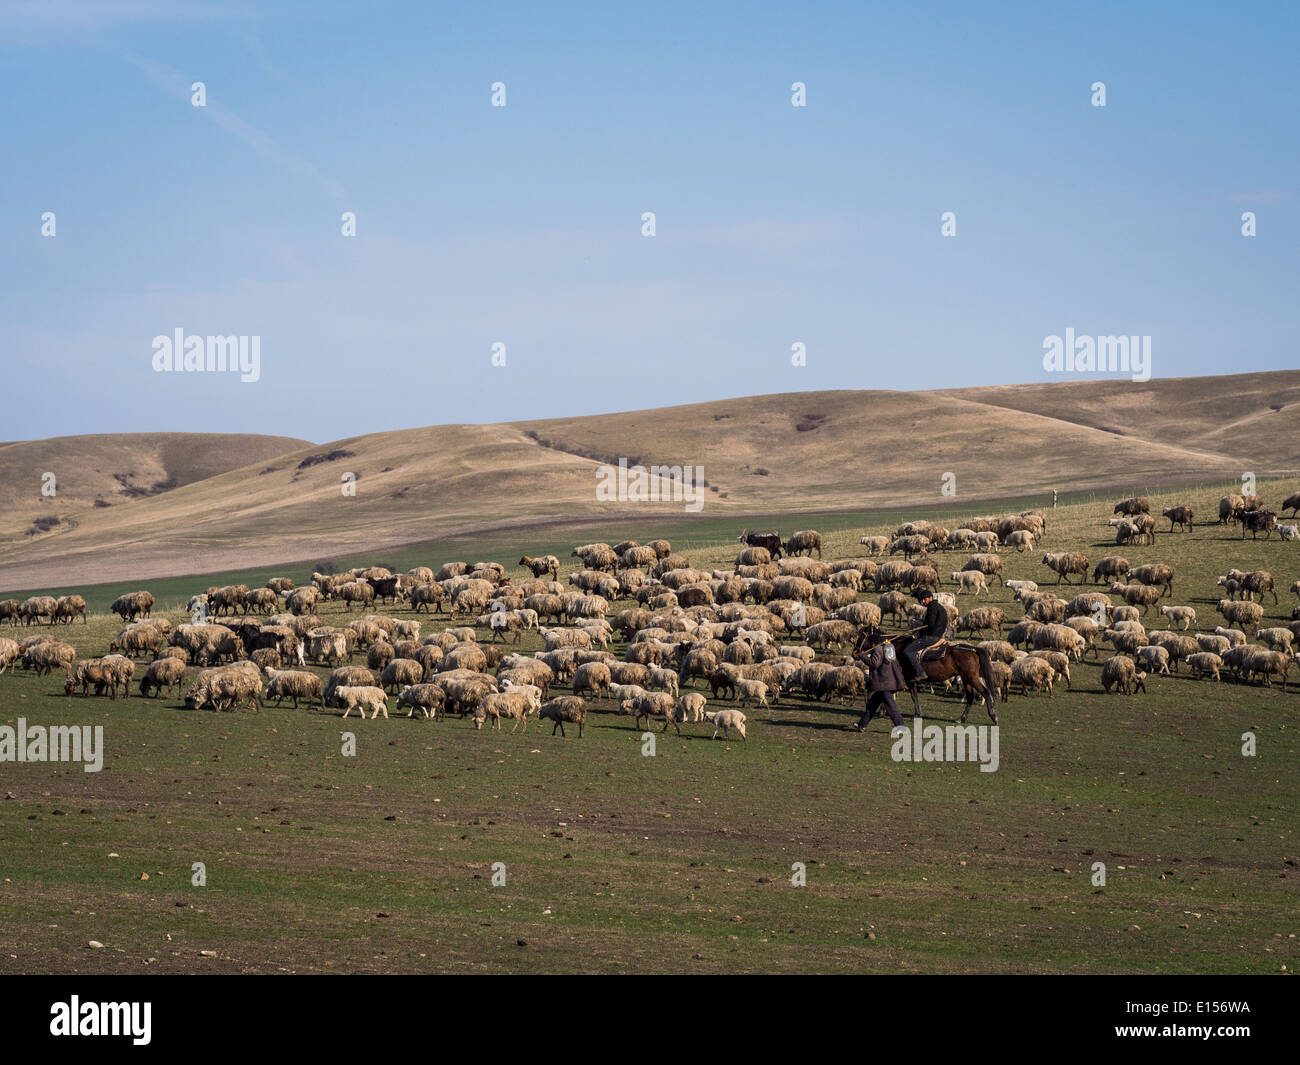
(796, 453)
(114, 470)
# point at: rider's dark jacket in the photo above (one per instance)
(936, 620)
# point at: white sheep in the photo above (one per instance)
(724, 720)
(361, 698)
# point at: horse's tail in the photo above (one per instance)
(986, 673)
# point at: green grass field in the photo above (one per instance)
(681, 862)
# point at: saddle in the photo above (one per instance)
(935, 651)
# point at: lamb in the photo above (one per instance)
(167, 672)
(1021, 588)
(1246, 614)
(1289, 532)
(1030, 671)
(724, 721)
(1122, 674)
(875, 545)
(1205, 663)
(1179, 516)
(1020, 539)
(1153, 659)
(1182, 616)
(564, 708)
(666, 680)
(361, 699)
(1065, 563)
(969, 581)
(754, 691)
(294, 684)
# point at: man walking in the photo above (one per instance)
(884, 677)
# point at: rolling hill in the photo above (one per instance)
(247, 500)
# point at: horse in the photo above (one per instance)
(971, 664)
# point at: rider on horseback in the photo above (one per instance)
(933, 629)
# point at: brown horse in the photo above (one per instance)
(971, 664)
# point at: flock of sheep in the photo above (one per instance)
(777, 621)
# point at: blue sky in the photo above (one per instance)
(522, 224)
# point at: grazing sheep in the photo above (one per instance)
(982, 617)
(1064, 563)
(515, 704)
(1184, 617)
(564, 708)
(724, 721)
(133, 605)
(1032, 672)
(1023, 633)
(294, 684)
(1122, 674)
(328, 647)
(1246, 614)
(69, 607)
(401, 673)
(1289, 532)
(1060, 663)
(1060, 638)
(37, 607)
(805, 540)
(1110, 569)
(1137, 595)
(90, 671)
(546, 564)
(1179, 516)
(1156, 575)
(1205, 663)
(46, 656)
(167, 672)
(1136, 505)
(989, 565)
